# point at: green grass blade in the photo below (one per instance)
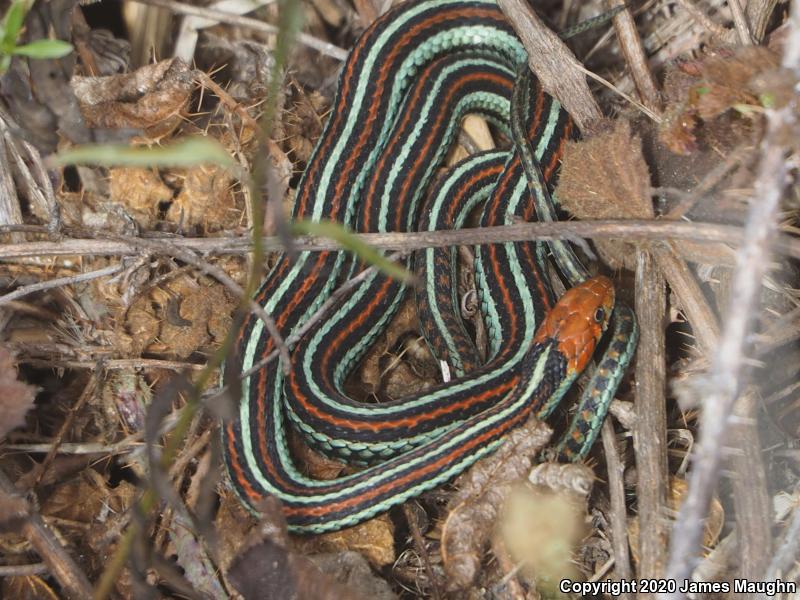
(190, 152)
(44, 49)
(348, 241)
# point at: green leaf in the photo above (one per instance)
(747, 109)
(44, 49)
(12, 23)
(348, 241)
(767, 100)
(189, 152)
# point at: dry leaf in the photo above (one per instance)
(192, 556)
(107, 525)
(88, 210)
(194, 323)
(352, 570)
(726, 80)
(373, 539)
(16, 397)
(315, 464)
(232, 523)
(475, 506)
(81, 499)
(396, 366)
(266, 568)
(140, 191)
(677, 492)
(152, 98)
(244, 65)
(563, 478)
(606, 177)
(178, 319)
(303, 124)
(206, 200)
(699, 91)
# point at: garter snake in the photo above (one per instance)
(402, 90)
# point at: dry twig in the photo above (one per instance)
(66, 571)
(406, 242)
(233, 19)
(619, 521)
(758, 15)
(60, 282)
(751, 500)
(632, 49)
(740, 22)
(650, 430)
(702, 18)
(553, 63)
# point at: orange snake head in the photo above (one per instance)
(578, 320)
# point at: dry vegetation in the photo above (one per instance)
(120, 284)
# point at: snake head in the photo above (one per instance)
(578, 320)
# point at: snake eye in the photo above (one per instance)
(599, 315)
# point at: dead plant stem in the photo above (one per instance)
(180, 8)
(635, 58)
(650, 428)
(59, 282)
(405, 242)
(619, 521)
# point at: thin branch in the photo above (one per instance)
(22, 228)
(721, 387)
(59, 282)
(23, 570)
(41, 468)
(125, 446)
(73, 581)
(633, 51)
(422, 550)
(619, 521)
(758, 15)
(750, 490)
(740, 22)
(683, 282)
(323, 47)
(650, 428)
(554, 64)
(646, 111)
(702, 18)
(406, 242)
(115, 364)
(206, 80)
